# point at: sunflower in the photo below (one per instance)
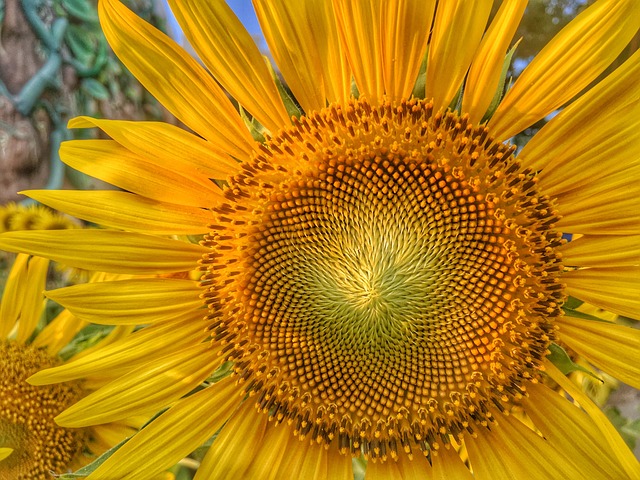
(31, 217)
(381, 273)
(31, 444)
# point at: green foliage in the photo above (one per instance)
(88, 337)
(629, 429)
(80, 10)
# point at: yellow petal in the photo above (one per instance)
(594, 136)
(168, 144)
(116, 334)
(286, 29)
(126, 211)
(300, 453)
(336, 73)
(235, 446)
(109, 161)
(146, 389)
(32, 298)
(385, 42)
(12, 297)
(511, 450)
(614, 289)
(107, 251)
(175, 79)
(359, 31)
(602, 251)
(447, 465)
(610, 206)
(173, 435)
(569, 63)
(59, 332)
(129, 302)
(612, 348)
(382, 471)
(142, 346)
(625, 457)
(484, 75)
(339, 466)
(456, 34)
(231, 55)
(106, 436)
(5, 452)
(571, 430)
(314, 465)
(405, 27)
(416, 467)
(265, 465)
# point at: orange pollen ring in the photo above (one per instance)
(384, 277)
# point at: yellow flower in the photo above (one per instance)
(31, 217)
(31, 444)
(385, 276)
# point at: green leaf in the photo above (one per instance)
(80, 43)
(88, 337)
(560, 358)
(629, 429)
(94, 88)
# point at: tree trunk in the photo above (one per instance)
(24, 138)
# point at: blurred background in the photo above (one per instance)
(55, 64)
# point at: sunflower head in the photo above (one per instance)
(27, 412)
(384, 275)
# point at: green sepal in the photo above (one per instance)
(359, 465)
(500, 91)
(560, 358)
(456, 103)
(223, 371)
(584, 316)
(355, 93)
(419, 88)
(254, 126)
(291, 106)
(570, 306)
(572, 303)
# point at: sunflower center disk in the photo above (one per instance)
(384, 276)
(26, 416)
